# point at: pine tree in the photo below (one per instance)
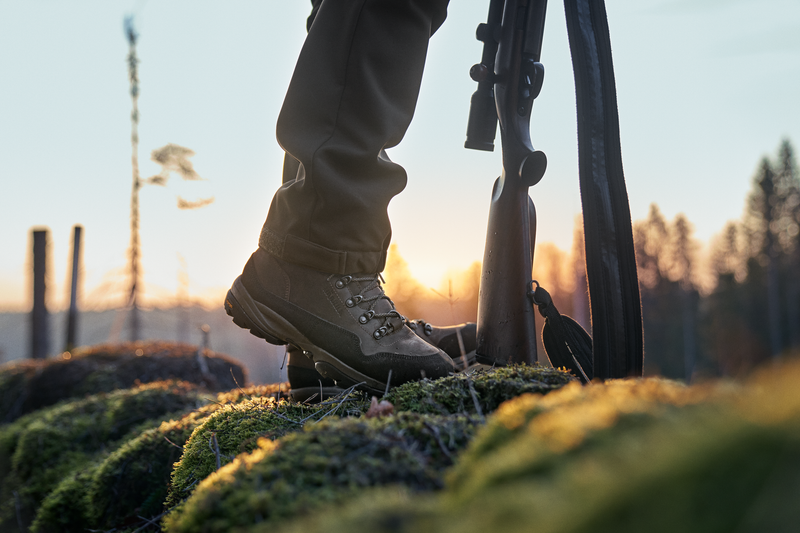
(789, 237)
(662, 301)
(683, 252)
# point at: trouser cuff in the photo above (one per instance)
(302, 252)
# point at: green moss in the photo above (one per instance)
(51, 444)
(30, 385)
(65, 508)
(236, 428)
(491, 386)
(132, 481)
(326, 462)
(9, 436)
(391, 509)
(627, 456)
(13, 391)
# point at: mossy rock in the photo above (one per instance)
(30, 385)
(625, 456)
(128, 487)
(49, 445)
(236, 428)
(14, 394)
(491, 386)
(327, 462)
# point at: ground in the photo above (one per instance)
(500, 449)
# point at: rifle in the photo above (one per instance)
(510, 77)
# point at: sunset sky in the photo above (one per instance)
(705, 88)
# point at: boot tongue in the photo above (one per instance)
(369, 289)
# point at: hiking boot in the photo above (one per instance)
(346, 321)
(458, 342)
(307, 384)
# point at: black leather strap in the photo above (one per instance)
(617, 337)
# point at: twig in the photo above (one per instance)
(308, 400)
(283, 417)
(239, 386)
(435, 432)
(215, 448)
(285, 357)
(475, 399)
(388, 383)
(166, 439)
(344, 395)
(461, 348)
(150, 521)
(18, 510)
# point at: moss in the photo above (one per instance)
(133, 480)
(65, 509)
(236, 428)
(391, 509)
(492, 387)
(326, 462)
(54, 442)
(9, 436)
(562, 422)
(30, 385)
(13, 391)
(629, 456)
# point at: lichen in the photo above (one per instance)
(491, 387)
(327, 462)
(53, 443)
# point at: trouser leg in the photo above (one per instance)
(352, 94)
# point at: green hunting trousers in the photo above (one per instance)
(352, 94)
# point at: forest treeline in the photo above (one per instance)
(715, 314)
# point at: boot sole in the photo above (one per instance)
(273, 328)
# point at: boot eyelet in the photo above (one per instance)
(377, 334)
(349, 302)
(428, 329)
(357, 299)
(341, 282)
(366, 317)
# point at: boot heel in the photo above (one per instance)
(234, 310)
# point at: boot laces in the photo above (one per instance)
(391, 320)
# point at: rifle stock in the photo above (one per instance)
(506, 319)
(509, 79)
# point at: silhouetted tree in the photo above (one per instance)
(727, 331)
(772, 224)
(683, 252)
(788, 183)
(665, 258)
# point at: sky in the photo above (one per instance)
(706, 88)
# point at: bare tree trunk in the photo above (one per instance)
(40, 334)
(72, 317)
(133, 302)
